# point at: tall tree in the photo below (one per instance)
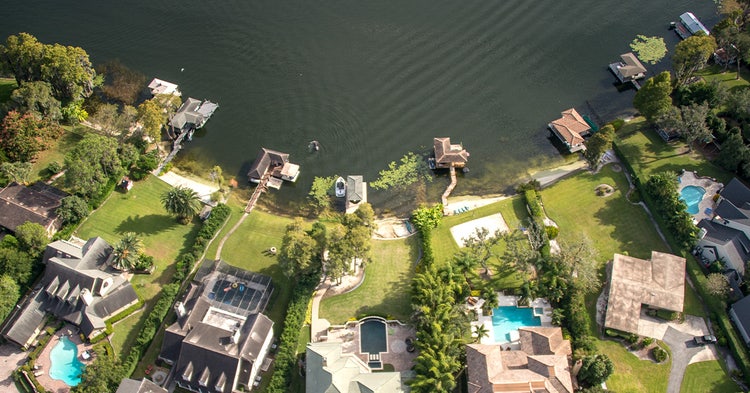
(653, 99)
(649, 49)
(598, 144)
(104, 374)
(69, 71)
(91, 162)
(320, 192)
(692, 54)
(411, 169)
(297, 250)
(36, 98)
(127, 251)
(22, 56)
(152, 118)
(578, 260)
(733, 152)
(595, 369)
(340, 254)
(16, 263)
(32, 238)
(9, 294)
(480, 332)
(16, 171)
(690, 121)
(731, 36)
(481, 244)
(182, 202)
(23, 136)
(72, 209)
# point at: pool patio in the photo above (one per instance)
(396, 335)
(43, 361)
(506, 301)
(712, 187)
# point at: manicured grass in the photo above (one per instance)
(707, 377)
(7, 85)
(693, 305)
(649, 154)
(140, 211)
(633, 374)
(386, 287)
(728, 78)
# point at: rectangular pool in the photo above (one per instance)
(508, 319)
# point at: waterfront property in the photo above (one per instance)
(158, 86)
(79, 286)
(571, 129)
(356, 192)
(36, 203)
(656, 283)
(273, 166)
(449, 155)
(629, 69)
(689, 25)
(192, 115)
(540, 363)
(221, 338)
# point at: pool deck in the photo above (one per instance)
(511, 301)
(43, 361)
(395, 334)
(712, 187)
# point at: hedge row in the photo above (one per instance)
(286, 357)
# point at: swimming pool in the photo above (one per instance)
(692, 196)
(64, 363)
(373, 340)
(508, 319)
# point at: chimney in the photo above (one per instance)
(179, 308)
(236, 336)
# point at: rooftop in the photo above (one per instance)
(37, 203)
(571, 127)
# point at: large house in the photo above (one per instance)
(128, 385)
(726, 236)
(571, 129)
(629, 69)
(449, 155)
(634, 282)
(79, 286)
(329, 370)
(37, 203)
(192, 115)
(275, 165)
(221, 338)
(542, 364)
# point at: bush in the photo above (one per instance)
(659, 354)
(54, 167)
(647, 341)
(552, 232)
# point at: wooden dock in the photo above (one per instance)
(444, 198)
(259, 189)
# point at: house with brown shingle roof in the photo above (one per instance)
(571, 129)
(36, 203)
(449, 155)
(656, 283)
(541, 365)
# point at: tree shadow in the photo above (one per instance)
(147, 225)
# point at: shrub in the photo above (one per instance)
(54, 167)
(648, 341)
(659, 354)
(552, 232)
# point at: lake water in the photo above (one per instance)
(371, 80)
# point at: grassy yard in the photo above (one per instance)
(727, 78)
(707, 377)
(649, 154)
(386, 287)
(633, 374)
(140, 211)
(56, 152)
(7, 85)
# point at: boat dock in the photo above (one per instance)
(447, 193)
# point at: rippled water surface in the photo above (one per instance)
(370, 80)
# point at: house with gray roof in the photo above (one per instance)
(329, 370)
(128, 385)
(273, 164)
(36, 203)
(79, 286)
(629, 69)
(541, 364)
(356, 192)
(192, 115)
(221, 338)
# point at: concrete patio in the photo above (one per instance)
(396, 336)
(712, 187)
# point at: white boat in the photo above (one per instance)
(340, 187)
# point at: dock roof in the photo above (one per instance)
(448, 153)
(632, 66)
(571, 127)
(265, 160)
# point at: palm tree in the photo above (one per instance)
(127, 251)
(481, 331)
(181, 201)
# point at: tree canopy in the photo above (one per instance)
(595, 369)
(297, 250)
(598, 144)
(127, 251)
(72, 209)
(649, 49)
(692, 54)
(152, 117)
(410, 169)
(22, 136)
(182, 202)
(91, 162)
(37, 98)
(653, 99)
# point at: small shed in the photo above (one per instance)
(126, 184)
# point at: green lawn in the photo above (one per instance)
(140, 211)
(56, 152)
(707, 377)
(728, 78)
(649, 154)
(633, 374)
(7, 85)
(386, 287)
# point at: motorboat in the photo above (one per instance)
(340, 187)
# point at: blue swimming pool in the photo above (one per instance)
(692, 196)
(65, 365)
(508, 319)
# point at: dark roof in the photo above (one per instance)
(445, 152)
(742, 311)
(733, 240)
(21, 326)
(37, 203)
(736, 192)
(192, 113)
(143, 386)
(355, 189)
(115, 301)
(266, 159)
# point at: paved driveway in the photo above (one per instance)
(683, 349)
(11, 358)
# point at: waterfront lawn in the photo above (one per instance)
(386, 289)
(141, 211)
(707, 377)
(649, 154)
(633, 374)
(7, 85)
(727, 78)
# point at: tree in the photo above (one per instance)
(36, 98)
(104, 374)
(113, 121)
(23, 136)
(127, 252)
(16, 263)
(579, 261)
(411, 169)
(182, 202)
(9, 294)
(22, 56)
(297, 250)
(692, 54)
(152, 118)
(427, 218)
(717, 285)
(217, 176)
(340, 254)
(480, 331)
(16, 171)
(649, 49)
(32, 238)
(690, 121)
(320, 192)
(69, 71)
(72, 209)
(73, 113)
(734, 152)
(653, 99)
(595, 369)
(598, 144)
(731, 36)
(91, 162)
(481, 245)
(366, 216)
(121, 83)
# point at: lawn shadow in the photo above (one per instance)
(150, 224)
